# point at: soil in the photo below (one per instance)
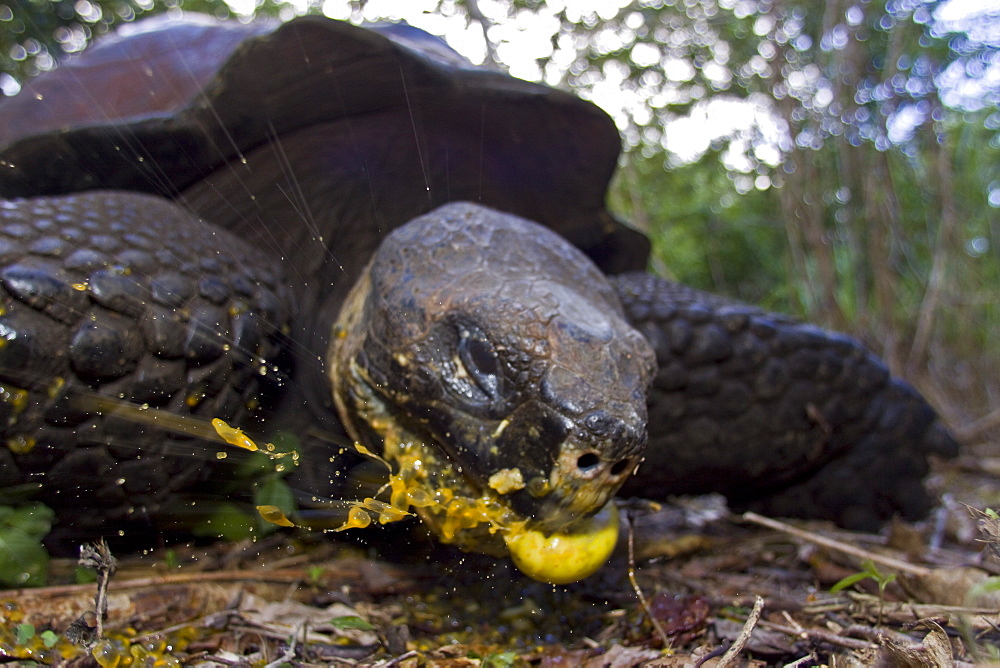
(914, 595)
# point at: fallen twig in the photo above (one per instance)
(818, 635)
(808, 660)
(744, 637)
(635, 585)
(966, 433)
(809, 536)
(82, 631)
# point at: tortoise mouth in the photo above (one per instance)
(464, 506)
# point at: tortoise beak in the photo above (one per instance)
(570, 467)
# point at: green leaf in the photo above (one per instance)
(50, 638)
(23, 560)
(886, 581)
(273, 491)
(500, 660)
(990, 585)
(227, 521)
(848, 581)
(23, 633)
(84, 575)
(868, 570)
(351, 622)
(869, 567)
(34, 519)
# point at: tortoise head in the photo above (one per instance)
(501, 349)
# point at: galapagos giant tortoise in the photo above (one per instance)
(189, 203)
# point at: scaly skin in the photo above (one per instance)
(97, 309)
(778, 415)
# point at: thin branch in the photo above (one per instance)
(811, 537)
(476, 14)
(939, 263)
(977, 428)
(664, 638)
(744, 637)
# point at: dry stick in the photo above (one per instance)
(939, 262)
(81, 631)
(107, 565)
(395, 661)
(978, 427)
(808, 536)
(744, 637)
(819, 635)
(807, 660)
(275, 577)
(635, 585)
(289, 653)
(60, 591)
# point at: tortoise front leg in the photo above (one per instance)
(116, 307)
(780, 416)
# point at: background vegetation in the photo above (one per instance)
(864, 195)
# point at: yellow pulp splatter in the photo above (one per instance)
(561, 558)
(360, 513)
(558, 558)
(234, 435)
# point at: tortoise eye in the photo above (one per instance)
(480, 360)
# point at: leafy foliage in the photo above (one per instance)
(706, 234)
(351, 622)
(868, 570)
(23, 559)
(36, 34)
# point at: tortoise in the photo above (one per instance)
(268, 222)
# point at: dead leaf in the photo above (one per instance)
(291, 617)
(952, 586)
(762, 641)
(620, 656)
(933, 652)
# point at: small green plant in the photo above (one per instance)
(500, 660)
(25, 633)
(351, 622)
(226, 520)
(868, 570)
(272, 490)
(990, 585)
(24, 561)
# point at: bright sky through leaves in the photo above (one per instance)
(525, 38)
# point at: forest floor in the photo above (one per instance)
(916, 595)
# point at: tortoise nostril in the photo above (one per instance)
(613, 429)
(586, 462)
(620, 466)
